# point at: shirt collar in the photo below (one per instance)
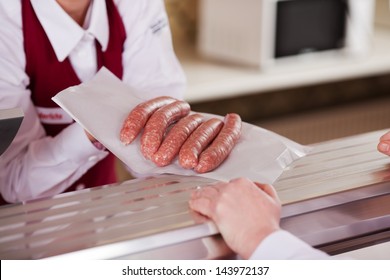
(64, 33)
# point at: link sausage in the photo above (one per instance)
(158, 123)
(222, 145)
(198, 141)
(175, 138)
(138, 117)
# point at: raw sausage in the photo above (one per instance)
(175, 138)
(158, 123)
(222, 145)
(138, 117)
(198, 141)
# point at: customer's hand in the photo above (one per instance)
(384, 144)
(244, 212)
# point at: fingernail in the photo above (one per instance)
(384, 147)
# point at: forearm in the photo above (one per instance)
(47, 166)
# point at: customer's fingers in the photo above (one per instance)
(384, 147)
(208, 190)
(385, 137)
(201, 205)
(268, 189)
(203, 200)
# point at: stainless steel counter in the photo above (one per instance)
(336, 198)
(104, 222)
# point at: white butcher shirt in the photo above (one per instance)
(36, 165)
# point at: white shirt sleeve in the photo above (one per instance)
(149, 61)
(282, 245)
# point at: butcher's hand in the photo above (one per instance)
(90, 137)
(244, 212)
(95, 142)
(384, 144)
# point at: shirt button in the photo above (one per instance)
(93, 158)
(80, 187)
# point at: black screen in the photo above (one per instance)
(309, 25)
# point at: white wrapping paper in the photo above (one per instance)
(102, 104)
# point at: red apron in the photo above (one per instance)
(48, 76)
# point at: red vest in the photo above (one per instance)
(48, 76)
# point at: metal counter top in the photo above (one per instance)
(337, 198)
(333, 167)
(339, 192)
(104, 222)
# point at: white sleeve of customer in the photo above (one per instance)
(282, 245)
(34, 165)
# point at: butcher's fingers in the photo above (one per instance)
(138, 117)
(158, 123)
(175, 138)
(222, 145)
(198, 141)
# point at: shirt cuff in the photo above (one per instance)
(282, 245)
(74, 143)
